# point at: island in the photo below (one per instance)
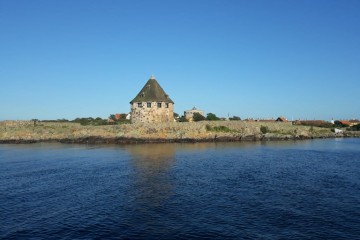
(203, 131)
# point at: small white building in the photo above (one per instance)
(337, 131)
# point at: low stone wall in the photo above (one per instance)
(27, 131)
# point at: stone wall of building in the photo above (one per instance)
(143, 112)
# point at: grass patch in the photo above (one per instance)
(218, 128)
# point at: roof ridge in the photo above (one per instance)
(152, 92)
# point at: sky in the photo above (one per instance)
(252, 59)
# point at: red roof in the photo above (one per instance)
(345, 122)
(281, 119)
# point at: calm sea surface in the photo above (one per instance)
(274, 190)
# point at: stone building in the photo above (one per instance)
(152, 104)
(190, 113)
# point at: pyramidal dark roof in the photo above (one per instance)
(152, 92)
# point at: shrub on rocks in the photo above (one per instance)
(264, 129)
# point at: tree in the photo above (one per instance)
(176, 116)
(183, 119)
(355, 127)
(235, 118)
(212, 117)
(339, 124)
(112, 117)
(198, 117)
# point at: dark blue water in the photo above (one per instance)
(287, 190)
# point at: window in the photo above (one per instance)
(140, 105)
(167, 105)
(149, 104)
(159, 104)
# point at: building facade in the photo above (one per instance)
(152, 104)
(189, 114)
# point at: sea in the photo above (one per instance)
(306, 189)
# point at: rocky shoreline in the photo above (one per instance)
(19, 132)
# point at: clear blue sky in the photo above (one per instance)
(260, 59)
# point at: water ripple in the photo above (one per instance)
(185, 191)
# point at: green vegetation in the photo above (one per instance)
(324, 124)
(112, 117)
(83, 121)
(58, 120)
(316, 123)
(218, 128)
(264, 129)
(355, 127)
(198, 117)
(120, 120)
(211, 117)
(221, 129)
(235, 118)
(91, 121)
(183, 119)
(339, 124)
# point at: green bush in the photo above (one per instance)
(264, 129)
(222, 129)
(235, 118)
(355, 127)
(316, 123)
(198, 117)
(91, 121)
(183, 119)
(212, 117)
(218, 128)
(339, 124)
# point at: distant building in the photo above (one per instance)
(189, 114)
(354, 122)
(117, 117)
(281, 119)
(152, 104)
(120, 116)
(338, 131)
(315, 123)
(344, 122)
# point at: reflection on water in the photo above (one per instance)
(251, 190)
(151, 181)
(205, 146)
(152, 157)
